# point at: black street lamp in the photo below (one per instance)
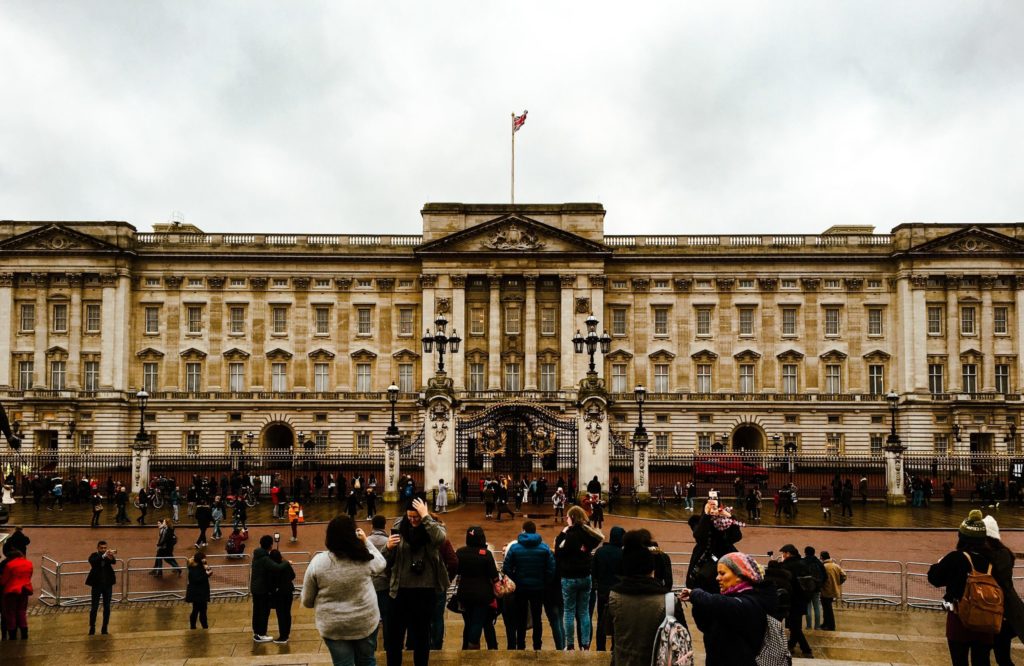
(236, 442)
(143, 399)
(441, 340)
(1011, 438)
(893, 441)
(393, 392)
(591, 341)
(640, 438)
(776, 440)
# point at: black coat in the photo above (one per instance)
(798, 599)
(477, 573)
(198, 589)
(733, 625)
(573, 549)
(17, 540)
(101, 571)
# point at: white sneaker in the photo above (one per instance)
(257, 638)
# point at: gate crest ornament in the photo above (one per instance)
(541, 442)
(493, 442)
(511, 237)
(593, 417)
(439, 423)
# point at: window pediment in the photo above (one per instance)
(661, 355)
(236, 354)
(877, 355)
(971, 354)
(363, 355)
(790, 355)
(321, 354)
(704, 355)
(56, 351)
(405, 355)
(149, 353)
(618, 355)
(833, 356)
(279, 354)
(193, 354)
(747, 355)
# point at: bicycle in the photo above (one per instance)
(248, 496)
(156, 499)
(660, 496)
(635, 496)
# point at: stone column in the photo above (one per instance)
(641, 469)
(75, 329)
(428, 283)
(392, 468)
(122, 323)
(258, 334)
(1018, 331)
(592, 417)
(918, 381)
(140, 467)
(8, 321)
(952, 335)
(895, 494)
(494, 335)
(566, 330)
(439, 442)
(459, 322)
(597, 283)
(43, 315)
(530, 331)
(985, 325)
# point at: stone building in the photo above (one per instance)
(750, 342)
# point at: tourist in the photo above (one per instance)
(235, 545)
(165, 542)
(282, 594)
(799, 597)
(734, 621)
(597, 511)
(275, 494)
(16, 587)
(417, 577)
(352, 505)
(198, 591)
(217, 515)
(947, 491)
(339, 585)
(17, 541)
(715, 533)
(489, 495)
(204, 516)
(121, 502)
(863, 486)
(573, 548)
(477, 575)
(260, 590)
(464, 490)
(1003, 561)
(451, 564)
(378, 538)
(605, 572)
(57, 495)
(241, 515)
(501, 500)
(529, 563)
(295, 516)
(143, 505)
(8, 500)
(825, 501)
(677, 492)
(441, 498)
(846, 499)
(817, 571)
(831, 590)
(558, 501)
(371, 502)
(175, 500)
(101, 579)
(96, 502)
(691, 494)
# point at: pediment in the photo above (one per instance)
(149, 352)
(967, 353)
(790, 355)
(236, 353)
(704, 355)
(877, 354)
(405, 354)
(833, 355)
(972, 240)
(321, 354)
(747, 355)
(192, 352)
(278, 353)
(55, 239)
(513, 234)
(56, 351)
(661, 355)
(618, 355)
(363, 354)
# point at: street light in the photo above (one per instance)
(143, 399)
(1011, 438)
(893, 441)
(393, 392)
(441, 340)
(236, 442)
(640, 438)
(591, 342)
(776, 440)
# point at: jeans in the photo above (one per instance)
(161, 557)
(174, 512)
(216, 529)
(100, 592)
(553, 610)
(689, 503)
(576, 598)
(384, 606)
(475, 616)
(408, 615)
(815, 605)
(437, 624)
(532, 600)
(353, 653)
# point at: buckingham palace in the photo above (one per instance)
(825, 344)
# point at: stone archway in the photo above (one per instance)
(278, 437)
(747, 437)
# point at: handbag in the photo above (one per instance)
(773, 650)
(504, 586)
(454, 604)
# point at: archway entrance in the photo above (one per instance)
(278, 437)
(747, 439)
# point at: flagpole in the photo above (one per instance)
(513, 158)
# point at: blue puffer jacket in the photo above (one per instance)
(529, 562)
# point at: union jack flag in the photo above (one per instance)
(519, 121)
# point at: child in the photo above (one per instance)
(558, 499)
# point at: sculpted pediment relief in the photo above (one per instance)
(973, 240)
(513, 234)
(54, 238)
(149, 352)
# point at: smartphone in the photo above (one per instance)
(277, 536)
(713, 494)
(395, 530)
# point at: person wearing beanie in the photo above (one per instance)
(831, 590)
(636, 603)
(733, 621)
(1003, 562)
(965, 646)
(477, 574)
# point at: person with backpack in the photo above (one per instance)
(165, 549)
(967, 574)
(735, 621)
(637, 605)
(800, 593)
(1003, 560)
(235, 547)
(831, 590)
(817, 571)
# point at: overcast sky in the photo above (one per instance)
(344, 117)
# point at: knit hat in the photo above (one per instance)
(991, 528)
(974, 526)
(743, 565)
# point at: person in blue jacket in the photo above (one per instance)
(530, 564)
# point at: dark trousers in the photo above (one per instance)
(474, 616)
(828, 621)
(122, 514)
(1001, 645)
(99, 592)
(973, 653)
(261, 605)
(283, 610)
(503, 508)
(534, 601)
(95, 519)
(410, 612)
(602, 619)
(795, 624)
(198, 611)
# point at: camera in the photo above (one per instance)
(713, 494)
(277, 537)
(418, 567)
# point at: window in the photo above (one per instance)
(363, 442)
(746, 321)
(278, 377)
(150, 377)
(512, 377)
(661, 321)
(92, 318)
(548, 380)
(704, 378)
(363, 322)
(703, 441)
(152, 320)
(92, 376)
(84, 441)
(236, 377)
(619, 321)
(512, 323)
(999, 320)
(152, 282)
(747, 378)
(322, 320)
(60, 318)
(967, 320)
(703, 321)
(832, 322)
(876, 380)
(787, 283)
(195, 282)
(789, 378)
(477, 321)
(192, 442)
(835, 418)
(322, 283)
(321, 377)
(405, 321)
(703, 418)
(970, 377)
(940, 443)
(661, 378)
(619, 378)
(789, 321)
(934, 320)
(26, 370)
(1002, 378)
(320, 440)
(831, 284)
(27, 322)
(661, 284)
(547, 321)
(476, 377)
(833, 443)
(236, 323)
(363, 379)
(874, 284)
(58, 375)
(405, 283)
(876, 444)
(875, 321)
(406, 383)
(193, 377)
(661, 442)
(237, 282)
(280, 320)
(833, 378)
(936, 380)
(618, 284)
(195, 319)
(746, 284)
(283, 282)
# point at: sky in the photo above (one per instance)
(346, 117)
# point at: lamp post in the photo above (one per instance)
(142, 437)
(391, 441)
(441, 340)
(250, 436)
(640, 440)
(894, 491)
(893, 399)
(140, 448)
(591, 342)
(236, 449)
(1011, 438)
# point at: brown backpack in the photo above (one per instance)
(981, 607)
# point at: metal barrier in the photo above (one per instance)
(64, 583)
(919, 592)
(229, 577)
(873, 582)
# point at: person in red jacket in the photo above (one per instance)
(16, 586)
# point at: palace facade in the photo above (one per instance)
(750, 342)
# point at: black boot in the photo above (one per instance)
(24, 633)
(12, 634)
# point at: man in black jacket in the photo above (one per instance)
(101, 579)
(606, 563)
(802, 582)
(261, 587)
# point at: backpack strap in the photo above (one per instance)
(670, 605)
(969, 560)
